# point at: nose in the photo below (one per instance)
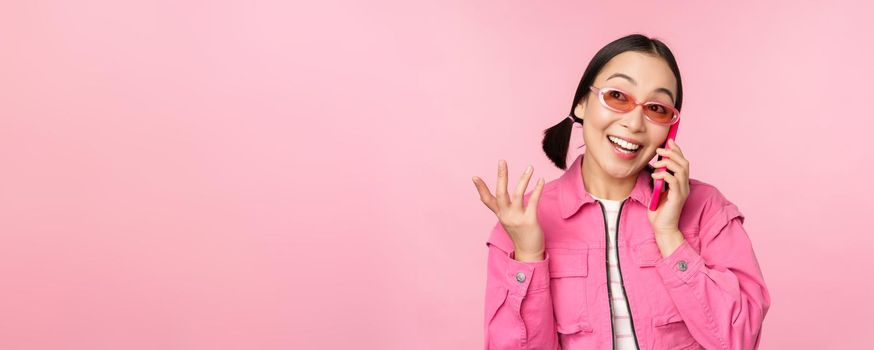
(634, 119)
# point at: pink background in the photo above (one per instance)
(267, 175)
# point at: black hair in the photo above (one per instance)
(557, 138)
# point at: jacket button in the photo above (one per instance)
(520, 277)
(682, 265)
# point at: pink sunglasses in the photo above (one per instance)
(621, 101)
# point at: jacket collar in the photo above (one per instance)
(573, 194)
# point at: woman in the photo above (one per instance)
(566, 273)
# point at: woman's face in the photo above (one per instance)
(642, 75)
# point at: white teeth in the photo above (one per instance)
(623, 143)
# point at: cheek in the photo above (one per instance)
(649, 155)
(603, 116)
(656, 141)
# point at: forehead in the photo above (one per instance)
(649, 71)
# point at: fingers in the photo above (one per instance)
(522, 185)
(485, 195)
(673, 159)
(673, 145)
(666, 176)
(677, 181)
(535, 197)
(672, 165)
(673, 182)
(672, 154)
(503, 198)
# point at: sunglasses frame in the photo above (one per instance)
(604, 90)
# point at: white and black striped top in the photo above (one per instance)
(622, 334)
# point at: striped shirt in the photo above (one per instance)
(623, 336)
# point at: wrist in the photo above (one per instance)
(528, 256)
(667, 231)
(668, 242)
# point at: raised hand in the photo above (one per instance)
(518, 219)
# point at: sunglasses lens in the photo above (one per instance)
(659, 113)
(622, 102)
(618, 100)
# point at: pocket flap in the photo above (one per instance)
(647, 253)
(573, 328)
(568, 262)
(666, 319)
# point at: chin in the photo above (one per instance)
(622, 174)
(620, 171)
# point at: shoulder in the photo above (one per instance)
(707, 208)
(704, 193)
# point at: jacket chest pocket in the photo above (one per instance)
(568, 271)
(669, 329)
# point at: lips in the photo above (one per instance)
(623, 154)
(627, 140)
(639, 147)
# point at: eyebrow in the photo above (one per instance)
(661, 89)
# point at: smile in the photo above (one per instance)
(624, 145)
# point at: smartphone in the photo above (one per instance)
(659, 184)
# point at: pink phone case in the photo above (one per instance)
(660, 183)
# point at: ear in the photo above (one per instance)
(580, 109)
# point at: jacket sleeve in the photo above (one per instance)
(720, 292)
(518, 305)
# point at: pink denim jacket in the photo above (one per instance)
(709, 293)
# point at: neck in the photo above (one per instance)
(602, 185)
